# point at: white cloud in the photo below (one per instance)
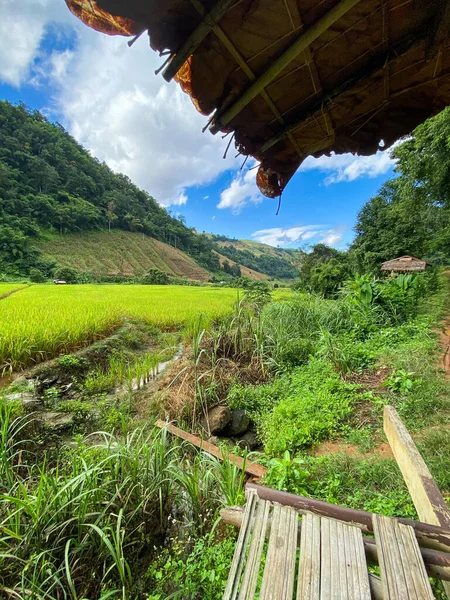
(22, 27)
(110, 100)
(205, 197)
(279, 236)
(347, 167)
(241, 192)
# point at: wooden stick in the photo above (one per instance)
(437, 563)
(305, 40)
(196, 38)
(251, 468)
(429, 536)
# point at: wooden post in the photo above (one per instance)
(303, 42)
(426, 496)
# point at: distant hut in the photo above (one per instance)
(405, 264)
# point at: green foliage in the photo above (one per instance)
(199, 571)
(401, 381)
(36, 276)
(277, 265)
(66, 274)
(256, 294)
(71, 362)
(156, 277)
(411, 213)
(316, 408)
(287, 474)
(323, 270)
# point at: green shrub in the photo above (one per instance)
(36, 276)
(189, 573)
(66, 274)
(156, 277)
(318, 404)
(257, 400)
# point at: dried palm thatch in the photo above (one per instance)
(405, 264)
(293, 78)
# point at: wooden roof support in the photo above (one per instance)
(372, 66)
(223, 117)
(196, 37)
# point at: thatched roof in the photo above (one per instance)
(291, 78)
(405, 263)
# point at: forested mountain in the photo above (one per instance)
(49, 183)
(411, 212)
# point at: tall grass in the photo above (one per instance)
(75, 527)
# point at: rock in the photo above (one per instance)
(56, 420)
(217, 418)
(48, 381)
(249, 440)
(30, 402)
(214, 440)
(238, 424)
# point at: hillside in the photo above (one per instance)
(120, 253)
(245, 271)
(279, 263)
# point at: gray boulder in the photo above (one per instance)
(216, 419)
(249, 440)
(56, 420)
(238, 424)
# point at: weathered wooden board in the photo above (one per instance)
(403, 574)
(428, 535)
(251, 468)
(426, 496)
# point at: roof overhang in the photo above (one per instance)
(293, 78)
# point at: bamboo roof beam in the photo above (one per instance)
(196, 38)
(222, 37)
(223, 117)
(372, 66)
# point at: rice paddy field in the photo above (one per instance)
(8, 288)
(43, 320)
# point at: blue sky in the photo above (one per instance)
(107, 96)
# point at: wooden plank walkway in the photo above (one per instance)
(403, 574)
(330, 556)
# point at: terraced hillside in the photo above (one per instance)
(120, 252)
(245, 271)
(279, 263)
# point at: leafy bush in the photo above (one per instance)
(189, 573)
(401, 381)
(287, 474)
(156, 277)
(317, 406)
(66, 274)
(36, 276)
(256, 400)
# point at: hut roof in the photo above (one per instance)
(405, 263)
(293, 78)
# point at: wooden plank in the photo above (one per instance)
(403, 574)
(251, 468)
(241, 547)
(308, 587)
(279, 570)
(250, 578)
(428, 535)
(426, 496)
(436, 563)
(344, 574)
